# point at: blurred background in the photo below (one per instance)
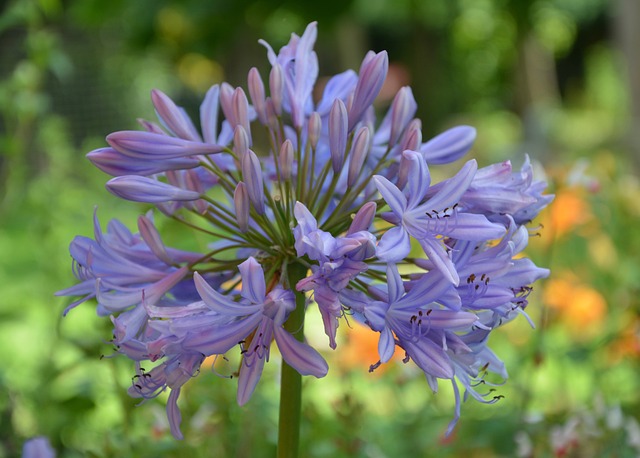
(556, 79)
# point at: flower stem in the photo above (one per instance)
(291, 380)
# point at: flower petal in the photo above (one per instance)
(301, 356)
(391, 194)
(394, 245)
(253, 286)
(386, 345)
(440, 259)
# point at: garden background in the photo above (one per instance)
(556, 79)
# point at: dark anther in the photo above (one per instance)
(429, 312)
(138, 386)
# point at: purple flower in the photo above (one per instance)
(38, 447)
(299, 210)
(425, 220)
(173, 373)
(253, 323)
(340, 261)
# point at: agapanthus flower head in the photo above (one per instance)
(334, 205)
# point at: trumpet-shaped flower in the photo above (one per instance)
(329, 205)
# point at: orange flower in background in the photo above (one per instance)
(627, 344)
(578, 305)
(568, 211)
(361, 350)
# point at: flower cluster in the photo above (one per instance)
(287, 182)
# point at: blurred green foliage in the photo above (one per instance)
(544, 77)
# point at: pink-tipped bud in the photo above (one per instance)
(241, 203)
(315, 129)
(192, 182)
(373, 72)
(152, 238)
(338, 125)
(252, 174)
(285, 159)
(151, 127)
(241, 111)
(173, 117)
(272, 116)
(359, 152)
(256, 91)
(363, 219)
(403, 108)
(226, 103)
(240, 141)
(412, 138)
(276, 86)
(144, 189)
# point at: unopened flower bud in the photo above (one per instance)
(256, 91)
(252, 174)
(173, 117)
(151, 237)
(373, 72)
(226, 103)
(144, 189)
(358, 154)
(241, 203)
(272, 116)
(338, 125)
(276, 86)
(285, 159)
(241, 111)
(315, 128)
(412, 138)
(240, 141)
(363, 220)
(403, 108)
